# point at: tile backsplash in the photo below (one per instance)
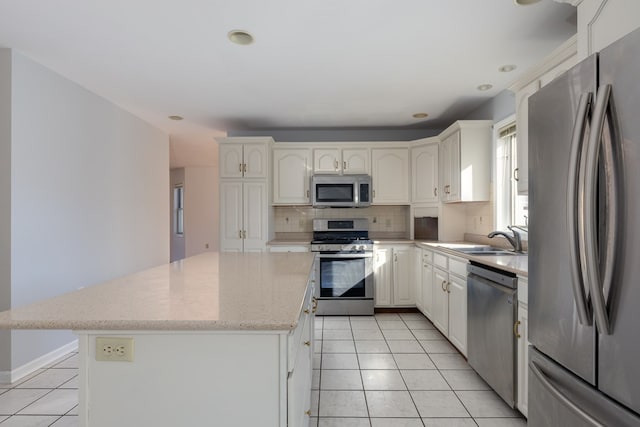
(383, 220)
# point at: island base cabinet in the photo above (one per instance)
(192, 379)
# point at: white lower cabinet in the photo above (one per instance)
(444, 295)
(521, 330)
(417, 277)
(392, 276)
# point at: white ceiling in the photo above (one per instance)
(314, 63)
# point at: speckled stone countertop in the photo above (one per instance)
(211, 291)
(518, 264)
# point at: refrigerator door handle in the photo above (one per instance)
(575, 187)
(544, 380)
(590, 214)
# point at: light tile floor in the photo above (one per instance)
(48, 397)
(397, 370)
(390, 370)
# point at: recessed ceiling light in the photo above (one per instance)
(240, 37)
(484, 87)
(420, 115)
(525, 2)
(176, 117)
(507, 68)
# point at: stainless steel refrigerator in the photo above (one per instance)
(584, 243)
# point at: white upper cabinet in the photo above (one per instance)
(465, 161)
(291, 167)
(346, 161)
(243, 160)
(390, 175)
(424, 173)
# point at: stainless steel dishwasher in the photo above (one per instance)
(491, 314)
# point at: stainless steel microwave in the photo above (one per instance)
(341, 191)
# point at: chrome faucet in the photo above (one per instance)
(515, 241)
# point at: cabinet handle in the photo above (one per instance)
(395, 257)
(444, 282)
(308, 412)
(515, 329)
(244, 167)
(307, 193)
(240, 167)
(448, 287)
(240, 234)
(516, 174)
(344, 166)
(335, 164)
(315, 305)
(307, 343)
(306, 311)
(435, 192)
(374, 194)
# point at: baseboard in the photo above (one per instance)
(8, 377)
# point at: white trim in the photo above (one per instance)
(559, 55)
(9, 377)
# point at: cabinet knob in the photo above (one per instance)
(515, 329)
(307, 343)
(308, 412)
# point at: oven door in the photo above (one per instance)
(344, 276)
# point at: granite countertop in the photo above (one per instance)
(517, 264)
(211, 291)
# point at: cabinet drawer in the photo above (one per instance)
(427, 257)
(458, 267)
(441, 261)
(302, 333)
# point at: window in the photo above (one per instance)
(178, 209)
(510, 208)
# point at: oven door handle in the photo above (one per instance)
(345, 255)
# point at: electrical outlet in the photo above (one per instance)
(114, 349)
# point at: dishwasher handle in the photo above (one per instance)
(481, 280)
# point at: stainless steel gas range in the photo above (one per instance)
(344, 266)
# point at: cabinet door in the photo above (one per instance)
(458, 312)
(417, 277)
(299, 381)
(382, 276)
(390, 175)
(402, 283)
(255, 160)
(291, 176)
(355, 161)
(427, 289)
(327, 160)
(424, 170)
(255, 206)
(230, 160)
(231, 216)
(522, 129)
(445, 169)
(452, 167)
(440, 308)
(523, 359)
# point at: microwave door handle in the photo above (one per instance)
(575, 222)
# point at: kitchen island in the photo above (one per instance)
(216, 339)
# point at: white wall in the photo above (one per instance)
(88, 199)
(5, 206)
(201, 210)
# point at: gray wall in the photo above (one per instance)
(497, 108)
(320, 135)
(5, 205)
(88, 195)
